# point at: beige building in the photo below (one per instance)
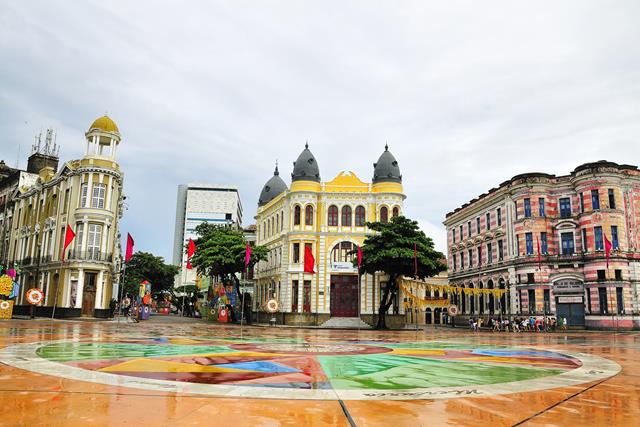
(85, 194)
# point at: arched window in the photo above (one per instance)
(296, 215)
(308, 215)
(384, 214)
(332, 217)
(281, 221)
(396, 211)
(346, 216)
(342, 252)
(360, 216)
(275, 230)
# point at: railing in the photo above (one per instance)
(89, 255)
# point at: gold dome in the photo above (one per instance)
(105, 123)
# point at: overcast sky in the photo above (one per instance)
(467, 94)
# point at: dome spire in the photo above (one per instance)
(386, 169)
(272, 188)
(305, 168)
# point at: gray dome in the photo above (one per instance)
(272, 188)
(386, 169)
(306, 167)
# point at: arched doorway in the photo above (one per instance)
(463, 299)
(491, 298)
(481, 298)
(343, 298)
(472, 301)
(569, 296)
(427, 317)
(436, 315)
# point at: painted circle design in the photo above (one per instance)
(34, 296)
(4, 305)
(288, 368)
(453, 310)
(272, 306)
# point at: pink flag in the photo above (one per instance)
(129, 252)
(309, 260)
(359, 257)
(68, 238)
(607, 248)
(191, 249)
(247, 256)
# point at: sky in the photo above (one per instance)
(467, 94)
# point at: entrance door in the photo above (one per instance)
(574, 313)
(89, 294)
(344, 295)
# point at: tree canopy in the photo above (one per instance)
(220, 251)
(390, 249)
(146, 266)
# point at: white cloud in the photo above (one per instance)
(468, 94)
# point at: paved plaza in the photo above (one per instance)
(172, 371)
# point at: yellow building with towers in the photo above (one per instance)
(86, 195)
(330, 219)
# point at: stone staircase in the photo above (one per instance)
(345, 323)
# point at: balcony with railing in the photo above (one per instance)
(89, 255)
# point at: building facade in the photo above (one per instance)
(86, 195)
(198, 203)
(329, 218)
(542, 237)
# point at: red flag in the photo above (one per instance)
(191, 249)
(247, 256)
(68, 238)
(607, 248)
(129, 252)
(359, 257)
(415, 260)
(539, 255)
(309, 260)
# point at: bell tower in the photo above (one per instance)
(103, 138)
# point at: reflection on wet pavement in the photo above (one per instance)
(172, 372)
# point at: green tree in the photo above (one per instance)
(390, 250)
(220, 252)
(146, 266)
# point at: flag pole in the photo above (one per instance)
(55, 298)
(124, 271)
(359, 291)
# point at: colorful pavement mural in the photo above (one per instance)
(304, 368)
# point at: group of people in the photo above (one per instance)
(520, 324)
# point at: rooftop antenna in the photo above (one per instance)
(50, 148)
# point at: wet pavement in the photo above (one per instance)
(173, 371)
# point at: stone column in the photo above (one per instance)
(80, 288)
(99, 290)
(89, 191)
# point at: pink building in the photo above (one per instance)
(542, 237)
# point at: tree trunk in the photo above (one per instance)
(387, 299)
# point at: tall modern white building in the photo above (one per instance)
(198, 203)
